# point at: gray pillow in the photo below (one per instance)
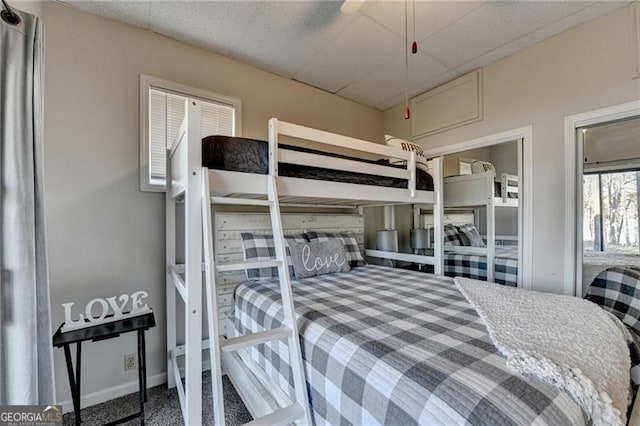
(318, 258)
(469, 231)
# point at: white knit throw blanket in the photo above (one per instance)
(566, 341)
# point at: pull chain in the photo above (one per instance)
(407, 110)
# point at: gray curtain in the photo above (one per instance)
(25, 350)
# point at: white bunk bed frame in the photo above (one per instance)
(477, 190)
(187, 182)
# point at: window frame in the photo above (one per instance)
(148, 82)
(599, 171)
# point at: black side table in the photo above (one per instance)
(99, 332)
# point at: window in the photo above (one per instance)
(161, 112)
(611, 214)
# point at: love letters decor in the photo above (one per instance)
(96, 311)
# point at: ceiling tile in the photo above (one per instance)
(389, 79)
(215, 25)
(541, 34)
(431, 16)
(493, 25)
(130, 12)
(359, 55)
(358, 51)
(283, 36)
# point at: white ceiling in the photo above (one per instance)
(358, 56)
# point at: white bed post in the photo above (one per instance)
(411, 164)
(193, 267)
(273, 147)
(212, 303)
(438, 213)
(170, 217)
(491, 230)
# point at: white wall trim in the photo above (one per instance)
(525, 171)
(637, 37)
(573, 174)
(114, 392)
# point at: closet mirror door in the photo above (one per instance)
(482, 187)
(608, 216)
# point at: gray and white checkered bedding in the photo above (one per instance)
(475, 266)
(617, 290)
(397, 347)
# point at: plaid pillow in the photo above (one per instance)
(262, 247)
(354, 256)
(469, 231)
(617, 290)
(453, 237)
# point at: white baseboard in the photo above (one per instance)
(114, 392)
(121, 390)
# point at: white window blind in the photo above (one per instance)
(166, 111)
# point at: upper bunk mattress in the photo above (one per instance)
(252, 156)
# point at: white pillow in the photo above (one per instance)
(421, 160)
(482, 167)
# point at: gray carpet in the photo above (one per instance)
(163, 408)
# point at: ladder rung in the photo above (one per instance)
(180, 268)
(248, 264)
(282, 416)
(241, 201)
(237, 343)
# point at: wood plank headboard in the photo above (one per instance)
(228, 226)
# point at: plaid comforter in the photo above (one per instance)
(396, 347)
(475, 266)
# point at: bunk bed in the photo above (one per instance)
(366, 337)
(197, 178)
(474, 191)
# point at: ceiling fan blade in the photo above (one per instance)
(351, 6)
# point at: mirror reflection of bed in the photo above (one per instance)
(481, 188)
(610, 208)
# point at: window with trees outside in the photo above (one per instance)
(611, 212)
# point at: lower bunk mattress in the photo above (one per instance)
(252, 156)
(396, 347)
(475, 266)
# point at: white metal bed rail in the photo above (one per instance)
(508, 184)
(276, 155)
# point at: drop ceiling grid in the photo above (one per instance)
(495, 24)
(593, 10)
(188, 23)
(133, 13)
(430, 16)
(388, 80)
(363, 47)
(357, 55)
(285, 36)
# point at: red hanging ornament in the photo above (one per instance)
(414, 47)
(407, 113)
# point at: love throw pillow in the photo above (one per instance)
(318, 258)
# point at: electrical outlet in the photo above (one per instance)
(129, 362)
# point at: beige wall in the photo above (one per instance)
(105, 236)
(583, 69)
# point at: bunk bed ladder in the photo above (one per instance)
(298, 411)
